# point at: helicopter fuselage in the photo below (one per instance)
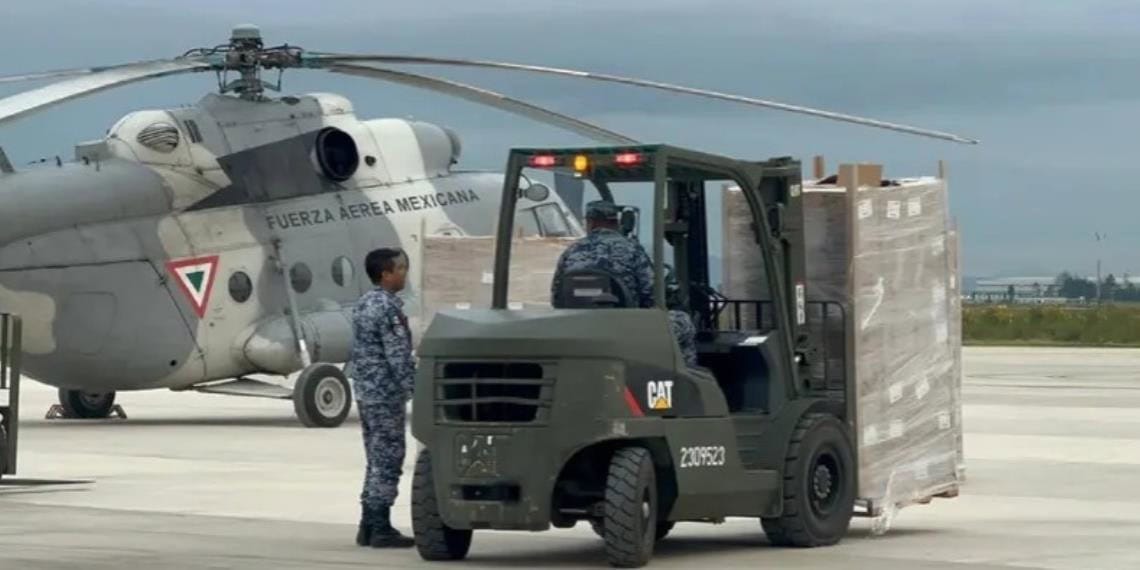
(191, 245)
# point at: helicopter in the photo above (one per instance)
(193, 248)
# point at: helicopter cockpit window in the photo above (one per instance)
(551, 221)
(337, 155)
(301, 277)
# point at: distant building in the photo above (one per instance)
(1015, 290)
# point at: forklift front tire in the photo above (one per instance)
(663, 528)
(434, 539)
(819, 485)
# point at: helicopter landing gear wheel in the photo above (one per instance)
(322, 396)
(78, 404)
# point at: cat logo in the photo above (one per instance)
(660, 394)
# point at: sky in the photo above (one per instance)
(1051, 88)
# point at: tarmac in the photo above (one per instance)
(202, 481)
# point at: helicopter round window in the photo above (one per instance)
(241, 288)
(342, 271)
(301, 277)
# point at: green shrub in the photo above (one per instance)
(1107, 325)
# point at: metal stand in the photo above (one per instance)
(11, 333)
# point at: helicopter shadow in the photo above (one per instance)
(184, 421)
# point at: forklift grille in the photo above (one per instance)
(494, 392)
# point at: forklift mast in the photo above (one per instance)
(779, 188)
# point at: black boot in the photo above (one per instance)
(364, 531)
(384, 535)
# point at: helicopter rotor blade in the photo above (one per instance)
(321, 59)
(26, 102)
(485, 97)
(64, 73)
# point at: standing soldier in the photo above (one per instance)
(383, 371)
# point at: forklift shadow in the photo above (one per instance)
(673, 549)
(864, 533)
(590, 551)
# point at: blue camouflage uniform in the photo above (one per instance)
(685, 332)
(610, 251)
(383, 372)
(680, 323)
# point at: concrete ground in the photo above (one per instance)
(199, 481)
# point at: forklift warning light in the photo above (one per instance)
(543, 161)
(629, 159)
(583, 162)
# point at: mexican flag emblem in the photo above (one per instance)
(195, 276)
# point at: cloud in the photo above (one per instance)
(1049, 87)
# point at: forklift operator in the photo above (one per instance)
(605, 248)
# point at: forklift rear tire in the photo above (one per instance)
(434, 539)
(819, 485)
(3, 451)
(631, 508)
(322, 396)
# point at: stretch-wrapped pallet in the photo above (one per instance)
(888, 253)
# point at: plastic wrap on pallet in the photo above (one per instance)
(458, 274)
(889, 255)
(906, 365)
(956, 340)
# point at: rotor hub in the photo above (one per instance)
(246, 34)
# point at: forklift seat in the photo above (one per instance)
(592, 289)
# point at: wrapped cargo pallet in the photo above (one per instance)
(887, 252)
(457, 274)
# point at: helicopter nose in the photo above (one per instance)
(44, 200)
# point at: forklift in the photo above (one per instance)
(540, 418)
(10, 336)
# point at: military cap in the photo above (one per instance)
(601, 210)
